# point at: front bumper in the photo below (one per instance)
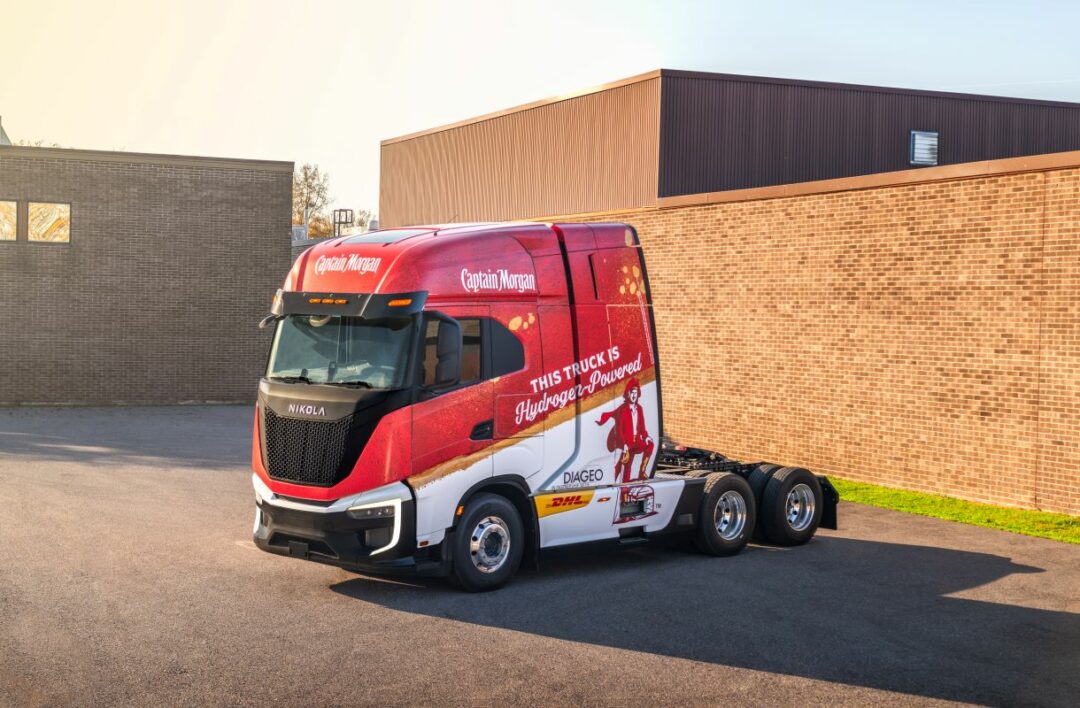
(370, 532)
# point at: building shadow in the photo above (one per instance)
(182, 436)
(848, 611)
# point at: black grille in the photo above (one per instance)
(313, 452)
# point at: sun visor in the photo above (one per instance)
(366, 305)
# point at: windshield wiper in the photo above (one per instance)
(350, 384)
(290, 379)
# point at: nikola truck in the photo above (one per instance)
(451, 400)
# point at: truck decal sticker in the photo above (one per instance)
(353, 262)
(548, 504)
(629, 437)
(597, 380)
(561, 415)
(500, 280)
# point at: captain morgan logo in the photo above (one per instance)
(353, 262)
(497, 280)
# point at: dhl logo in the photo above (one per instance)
(549, 504)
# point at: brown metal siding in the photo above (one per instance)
(594, 152)
(721, 133)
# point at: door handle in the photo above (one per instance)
(483, 431)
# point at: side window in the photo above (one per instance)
(488, 349)
(507, 354)
(471, 350)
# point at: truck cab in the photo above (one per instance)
(448, 400)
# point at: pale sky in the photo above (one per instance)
(324, 82)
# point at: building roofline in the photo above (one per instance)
(647, 76)
(48, 153)
(741, 78)
(744, 78)
(921, 175)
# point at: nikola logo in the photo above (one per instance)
(307, 409)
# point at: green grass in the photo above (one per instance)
(1043, 524)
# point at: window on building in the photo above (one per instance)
(9, 221)
(49, 223)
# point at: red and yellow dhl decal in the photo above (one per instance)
(548, 504)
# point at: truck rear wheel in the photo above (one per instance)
(791, 506)
(758, 478)
(488, 543)
(727, 515)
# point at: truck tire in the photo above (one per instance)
(758, 478)
(696, 473)
(488, 543)
(727, 515)
(791, 507)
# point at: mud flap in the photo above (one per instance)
(830, 498)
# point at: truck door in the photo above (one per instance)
(514, 351)
(451, 425)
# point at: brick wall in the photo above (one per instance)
(921, 336)
(172, 263)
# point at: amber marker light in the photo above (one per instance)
(341, 301)
(314, 300)
(400, 302)
(328, 301)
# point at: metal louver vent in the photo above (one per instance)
(924, 147)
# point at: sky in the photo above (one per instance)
(323, 82)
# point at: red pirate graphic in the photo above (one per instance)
(629, 437)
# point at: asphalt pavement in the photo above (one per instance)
(127, 576)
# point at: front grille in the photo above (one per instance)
(312, 452)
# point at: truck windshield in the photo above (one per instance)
(346, 351)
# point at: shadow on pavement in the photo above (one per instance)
(849, 611)
(188, 436)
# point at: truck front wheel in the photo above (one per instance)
(727, 516)
(488, 543)
(791, 506)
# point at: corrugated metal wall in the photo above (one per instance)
(721, 132)
(594, 152)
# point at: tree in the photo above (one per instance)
(311, 191)
(22, 142)
(361, 218)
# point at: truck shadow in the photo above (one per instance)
(850, 611)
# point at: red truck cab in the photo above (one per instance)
(450, 400)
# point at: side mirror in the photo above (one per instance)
(448, 353)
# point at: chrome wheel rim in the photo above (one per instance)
(489, 544)
(730, 515)
(799, 507)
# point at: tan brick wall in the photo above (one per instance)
(921, 336)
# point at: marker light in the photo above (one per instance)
(400, 302)
(340, 301)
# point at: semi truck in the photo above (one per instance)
(453, 400)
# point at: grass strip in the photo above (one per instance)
(1042, 524)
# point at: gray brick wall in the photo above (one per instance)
(171, 264)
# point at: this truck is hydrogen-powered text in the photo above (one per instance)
(451, 400)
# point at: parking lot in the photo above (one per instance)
(127, 577)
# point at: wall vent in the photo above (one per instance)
(924, 147)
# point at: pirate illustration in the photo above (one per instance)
(629, 437)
